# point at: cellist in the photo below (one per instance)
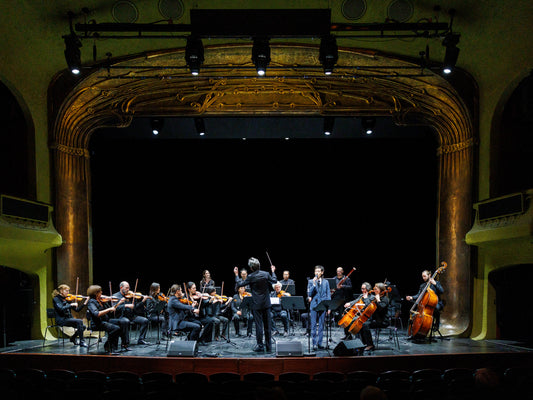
(436, 287)
(364, 299)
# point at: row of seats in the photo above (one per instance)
(455, 383)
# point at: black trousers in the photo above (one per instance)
(124, 329)
(113, 332)
(262, 320)
(75, 323)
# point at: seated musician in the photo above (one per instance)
(213, 310)
(99, 315)
(286, 279)
(365, 299)
(63, 314)
(378, 318)
(156, 307)
(133, 310)
(206, 321)
(206, 281)
(437, 288)
(180, 312)
(278, 311)
(241, 313)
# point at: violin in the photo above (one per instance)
(73, 297)
(421, 320)
(283, 293)
(162, 297)
(105, 299)
(132, 295)
(246, 294)
(183, 300)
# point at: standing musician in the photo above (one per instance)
(63, 314)
(278, 311)
(241, 313)
(156, 307)
(133, 310)
(259, 282)
(213, 311)
(179, 312)
(343, 290)
(286, 279)
(378, 318)
(437, 288)
(365, 299)
(317, 291)
(206, 281)
(98, 315)
(205, 320)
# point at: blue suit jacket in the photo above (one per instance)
(318, 292)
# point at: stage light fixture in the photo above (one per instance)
(73, 53)
(194, 54)
(368, 124)
(452, 52)
(157, 125)
(328, 53)
(261, 55)
(200, 126)
(329, 122)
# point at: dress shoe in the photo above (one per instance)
(347, 337)
(315, 348)
(125, 348)
(320, 347)
(369, 348)
(275, 333)
(285, 333)
(259, 347)
(82, 343)
(142, 341)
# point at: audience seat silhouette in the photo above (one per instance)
(297, 377)
(224, 377)
(395, 383)
(258, 377)
(192, 378)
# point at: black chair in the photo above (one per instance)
(30, 381)
(258, 377)
(7, 380)
(92, 375)
(61, 375)
(224, 377)
(392, 336)
(358, 380)
(395, 383)
(329, 376)
(196, 379)
(51, 316)
(297, 377)
(459, 382)
(158, 377)
(427, 384)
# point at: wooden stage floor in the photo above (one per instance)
(238, 356)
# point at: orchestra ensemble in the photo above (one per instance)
(204, 315)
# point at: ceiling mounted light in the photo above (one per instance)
(329, 122)
(157, 125)
(452, 52)
(368, 124)
(200, 126)
(73, 53)
(194, 54)
(261, 55)
(328, 54)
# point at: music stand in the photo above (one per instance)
(292, 303)
(326, 305)
(290, 288)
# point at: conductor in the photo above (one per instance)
(260, 283)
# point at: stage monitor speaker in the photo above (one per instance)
(182, 348)
(349, 348)
(292, 348)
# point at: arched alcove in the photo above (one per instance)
(114, 97)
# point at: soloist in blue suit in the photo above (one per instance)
(318, 292)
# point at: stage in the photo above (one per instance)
(237, 355)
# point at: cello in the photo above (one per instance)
(421, 319)
(357, 323)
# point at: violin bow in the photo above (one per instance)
(77, 284)
(134, 291)
(111, 299)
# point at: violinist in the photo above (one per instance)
(364, 299)
(277, 311)
(241, 313)
(156, 307)
(63, 314)
(206, 281)
(133, 310)
(205, 320)
(213, 311)
(436, 287)
(378, 318)
(317, 290)
(98, 313)
(179, 314)
(259, 282)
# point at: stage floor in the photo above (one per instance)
(242, 347)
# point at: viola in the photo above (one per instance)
(105, 299)
(73, 297)
(421, 320)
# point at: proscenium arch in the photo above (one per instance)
(113, 97)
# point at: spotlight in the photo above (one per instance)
(157, 125)
(194, 54)
(200, 126)
(73, 53)
(328, 54)
(261, 55)
(368, 124)
(452, 52)
(328, 125)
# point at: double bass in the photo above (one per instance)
(421, 319)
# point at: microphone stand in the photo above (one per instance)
(309, 353)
